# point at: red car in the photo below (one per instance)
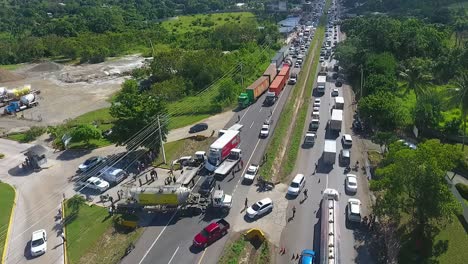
(211, 233)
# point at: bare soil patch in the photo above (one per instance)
(8, 76)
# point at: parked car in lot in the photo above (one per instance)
(198, 127)
(353, 210)
(90, 163)
(38, 243)
(296, 185)
(211, 233)
(351, 183)
(260, 208)
(207, 186)
(97, 184)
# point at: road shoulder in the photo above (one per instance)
(8, 231)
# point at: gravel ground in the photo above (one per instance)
(68, 91)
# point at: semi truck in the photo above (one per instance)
(336, 120)
(329, 152)
(234, 157)
(275, 89)
(321, 82)
(339, 102)
(235, 127)
(329, 235)
(253, 92)
(25, 102)
(169, 198)
(221, 148)
(278, 59)
(271, 72)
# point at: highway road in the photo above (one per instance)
(303, 232)
(168, 239)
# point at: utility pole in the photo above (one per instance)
(162, 143)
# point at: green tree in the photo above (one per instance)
(428, 111)
(460, 99)
(417, 75)
(384, 139)
(85, 132)
(136, 111)
(414, 183)
(383, 110)
(75, 202)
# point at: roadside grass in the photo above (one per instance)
(231, 254)
(183, 147)
(265, 255)
(11, 67)
(7, 199)
(20, 137)
(374, 158)
(266, 171)
(91, 237)
(447, 247)
(100, 117)
(186, 24)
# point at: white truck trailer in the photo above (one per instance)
(321, 82)
(336, 120)
(329, 235)
(339, 102)
(329, 152)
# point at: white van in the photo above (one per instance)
(112, 175)
(296, 185)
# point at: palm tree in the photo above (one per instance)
(416, 74)
(460, 98)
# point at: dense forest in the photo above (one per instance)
(93, 30)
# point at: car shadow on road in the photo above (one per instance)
(196, 250)
(322, 167)
(317, 229)
(27, 251)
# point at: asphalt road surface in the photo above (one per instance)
(169, 238)
(303, 231)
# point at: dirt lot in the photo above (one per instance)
(67, 91)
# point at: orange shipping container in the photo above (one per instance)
(270, 72)
(285, 71)
(257, 88)
(277, 85)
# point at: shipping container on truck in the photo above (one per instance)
(336, 119)
(278, 85)
(285, 71)
(278, 59)
(321, 81)
(253, 92)
(221, 149)
(271, 72)
(339, 102)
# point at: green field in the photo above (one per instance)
(91, 237)
(457, 239)
(184, 24)
(7, 199)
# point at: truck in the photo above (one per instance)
(221, 148)
(285, 71)
(221, 201)
(336, 120)
(321, 82)
(278, 59)
(234, 157)
(253, 92)
(211, 233)
(271, 73)
(339, 102)
(235, 127)
(329, 233)
(25, 102)
(275, 89)
(191, 167)
(329, 152)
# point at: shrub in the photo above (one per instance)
(2, 155)
(462, 189)
(33, 133)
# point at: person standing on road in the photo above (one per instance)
(238, 118)
(294, 211)
(305, 194)
(245, 203)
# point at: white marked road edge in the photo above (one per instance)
(157, 238)
(252, 124)
(173, 255)
(244, 114)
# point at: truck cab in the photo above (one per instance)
(243, 100)
(270, 98)
(211, 233)
(221, 200)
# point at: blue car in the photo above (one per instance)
(307, 256)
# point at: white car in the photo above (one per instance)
(353, 210)
(322, 59)
(265, 130)
(347, 140)
(334, 93)
(351, 183)
(89, 163)
(296, 185)
(259, 208)
(317, 102)
(316, 109)
(251, 172)
(38, 243)
(97, 184)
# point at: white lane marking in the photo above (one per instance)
(260, 109)
(252, 124)
(204, 251)
(157, 238)
(244, 114)
(326, 183)
(173, 255)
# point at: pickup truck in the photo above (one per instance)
(211, 233)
